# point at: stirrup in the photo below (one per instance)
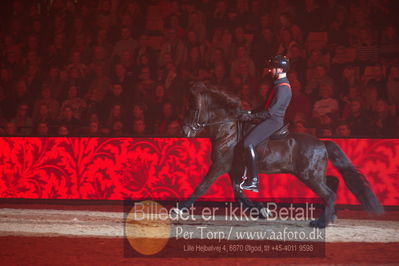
(253, 186)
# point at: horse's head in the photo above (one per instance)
(196, 116)
(208, 106)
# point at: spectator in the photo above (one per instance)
(343, 129)
(117, 95)
(174, 128)
(319, 78)
(144, 61)
(145, 87)
(300, 102)
(285, 41)
(240, 40)
(48, 45)
(118, 128)
(126, 59)
(299, 127)
(346, 100)
(393, 87)
(52, 104)
(323, 122)
(23, 120)
(370, 95)
(389, 42)
(140, 111)
(143, 49)
(349, 79)
(67, 119)
(115, 114)
(263, 48)
(297, 62)
(139, 127)
(381, 121)
(33, 80)
(217, 58)
(99, 57)
(242, 59)
(219, 15)
(18, 96)
(168, 115)
(43, 114)
(195, 24)
(336, 33)
(219, 77)
(63, 131)
(326, 104)
(99, 87)
(75, 78)
(325, 132)
(313, 18)
(78, 104)
(93, 129)
(261, 94)
(76, 63)
(246, 95)
(175, 47)
(54, 82)
(246, 76)
(173, 83)
(287, 24)
(120, 76)
(10, 129)
(374, 76)
(42, 129)
(357, 119)
(315, 59)
(193, 64)
(367, 49)
(173, 22)
(126, 42)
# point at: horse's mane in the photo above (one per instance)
(223, 99)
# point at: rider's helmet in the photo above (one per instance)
(280, 61)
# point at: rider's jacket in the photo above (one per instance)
(282, 97)
(277, 101)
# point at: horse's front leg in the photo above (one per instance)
(217, 169)
(240, 197)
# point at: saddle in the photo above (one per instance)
(281, 133)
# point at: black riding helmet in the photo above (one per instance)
(280, 61)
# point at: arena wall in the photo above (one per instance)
(99, 168)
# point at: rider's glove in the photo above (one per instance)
(249, 116)
(246, 116)
(262, 115)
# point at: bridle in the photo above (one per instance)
(196, 125)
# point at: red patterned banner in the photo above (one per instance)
(163, 168)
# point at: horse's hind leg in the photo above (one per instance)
(318, 185)
(332, 183)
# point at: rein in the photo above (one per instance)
(196, 125)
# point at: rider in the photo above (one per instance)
(272, 118)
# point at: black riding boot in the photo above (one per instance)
(251, 182)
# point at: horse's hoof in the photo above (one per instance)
(317, 224)
(176, 212)
(265, 213)
(334, 219)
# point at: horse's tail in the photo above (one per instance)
(354, 180)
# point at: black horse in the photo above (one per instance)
(301, 155)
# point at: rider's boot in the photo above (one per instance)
(251, 182)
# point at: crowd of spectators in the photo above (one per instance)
(124, 67)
